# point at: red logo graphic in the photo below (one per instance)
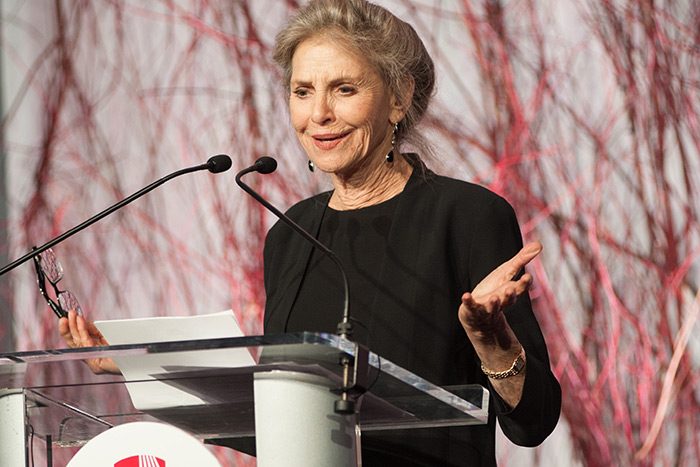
(141, 461)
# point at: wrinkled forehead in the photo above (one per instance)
(341, 39)
(317, 56)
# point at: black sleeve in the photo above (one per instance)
(496, 239)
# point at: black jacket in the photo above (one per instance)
(447, 235)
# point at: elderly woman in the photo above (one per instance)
(434, 263)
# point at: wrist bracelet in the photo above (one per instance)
(515, 368)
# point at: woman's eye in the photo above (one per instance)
(346, 89)
(301, 92)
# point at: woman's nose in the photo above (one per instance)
(322, 110)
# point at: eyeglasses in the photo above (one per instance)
(48, 268)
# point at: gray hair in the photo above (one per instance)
(391, 47)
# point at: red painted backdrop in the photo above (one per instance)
(584, 114)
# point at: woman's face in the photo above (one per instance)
(341, 111)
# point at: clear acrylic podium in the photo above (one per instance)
(53, 394)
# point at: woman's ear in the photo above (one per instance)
(401, 103)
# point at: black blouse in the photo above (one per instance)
(359, 239)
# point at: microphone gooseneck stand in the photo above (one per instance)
(266, 165)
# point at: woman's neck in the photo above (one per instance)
(372, 186)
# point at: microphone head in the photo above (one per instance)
(220, 163)
(265, 165)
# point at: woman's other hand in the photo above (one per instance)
(481, 312)
(481, 315)
(79, 333)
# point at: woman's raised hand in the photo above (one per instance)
(481, 312)
(481, 315)
(79, 333)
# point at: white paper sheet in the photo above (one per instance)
(156, 394)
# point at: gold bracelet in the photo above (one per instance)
(515, 368)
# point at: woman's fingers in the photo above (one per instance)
(95, 334)
(76, 331)
(521, 285)
(507, 294)
(485, 313)
(525, 255)
(521, 259)
(503, 275)
(64, 331)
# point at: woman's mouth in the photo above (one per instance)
(328, 141)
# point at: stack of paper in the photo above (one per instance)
(145, 390)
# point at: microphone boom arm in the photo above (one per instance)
(345, 405)
(215, 164)
(344, 327)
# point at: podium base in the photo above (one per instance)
(12, 427)
(295, 423)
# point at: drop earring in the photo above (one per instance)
(311, 165)
(390, 154)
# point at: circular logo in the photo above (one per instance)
(144, 444)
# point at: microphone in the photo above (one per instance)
(219, 163)
(215, 164)
(266, 165)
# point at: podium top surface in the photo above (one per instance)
(69, 402)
